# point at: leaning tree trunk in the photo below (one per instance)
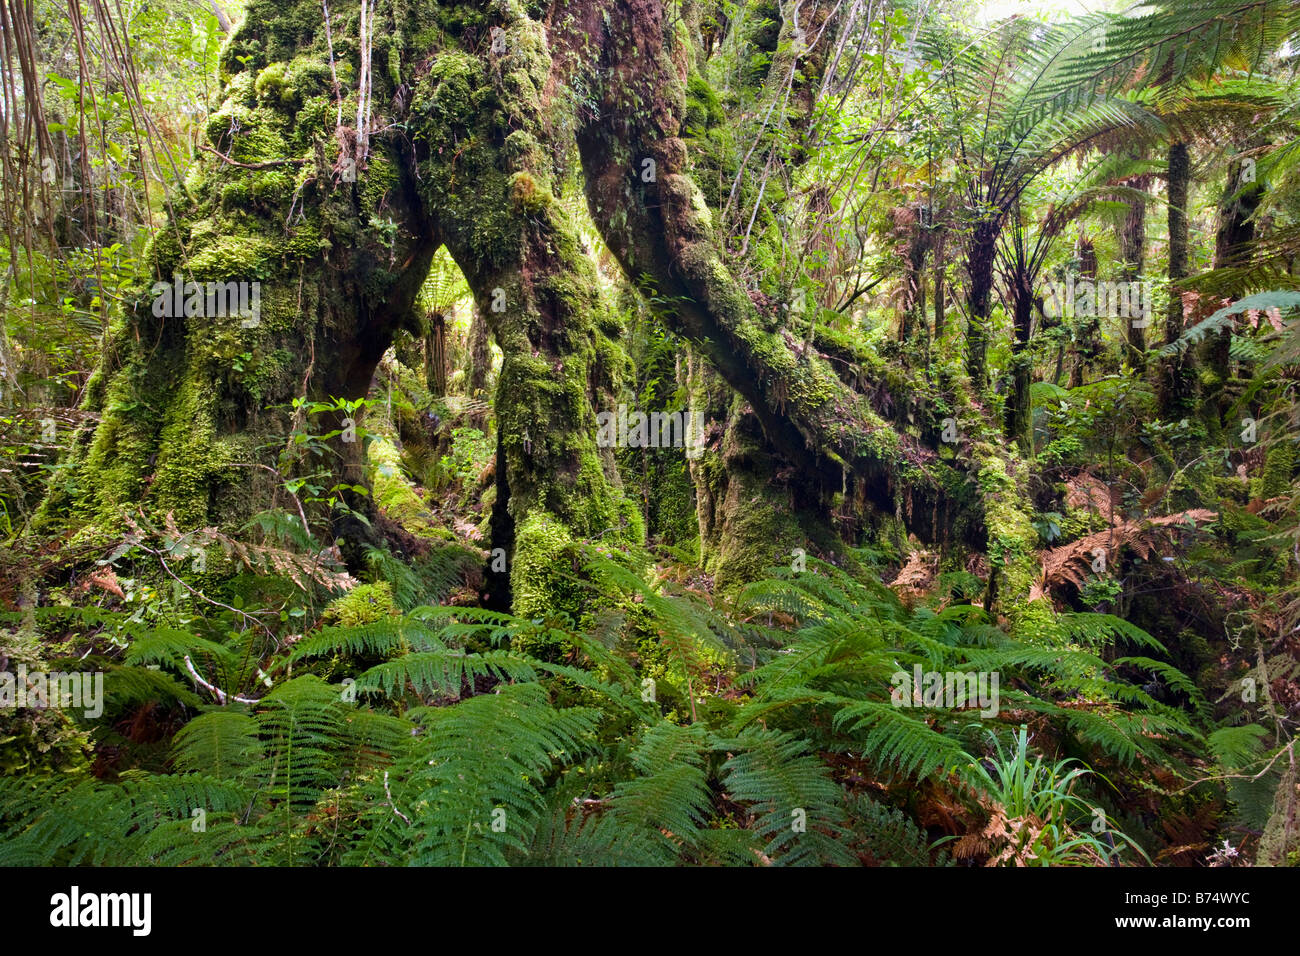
(655, 221)
(752, 511)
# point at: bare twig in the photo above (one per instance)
(329, 42)
(216, 691)
(199, 594)
(263, 165)
(256, 464)
(223, 19)
(392, 806)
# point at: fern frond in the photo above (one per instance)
(797, 807)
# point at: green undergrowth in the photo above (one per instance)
(657, 730)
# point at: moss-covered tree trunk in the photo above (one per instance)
(753, 511)
(917, 246)
(479, 359)
(486, 171)
(334, 195)
(322, 249)
(338, 227)
(980, 258)
(940, 283)
(655, 221)
(1087, 325)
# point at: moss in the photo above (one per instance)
(1012, 537)
(235, 195)
(315, 118)
(308, 76)
(377, 181)
(448, 93)
(364, 604)
(527, 195)
(235, 258)
(1279, 463)
(272, 186)
(307, 241)
(703, 107)
(272, 86)
(393, 492)
(189, 459)
(543, 575)
(523, 150)
(36, 740)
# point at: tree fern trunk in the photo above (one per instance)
(1132, 251)
(1241, 197)
(480, 365)
(979, 297)
(1019, 406)
(1176, 382)
(435, 355)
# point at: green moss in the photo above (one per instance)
(315, 118)
(523, 150)
(703, 107)
(364, 604)
(33, 740)
(394, 493)
(272, 186)
(235, 258)
(272, 86)
(307, 241)
(543, 575)
(190, 459)
(1279, 463)
(379, 179)
(527, 195)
